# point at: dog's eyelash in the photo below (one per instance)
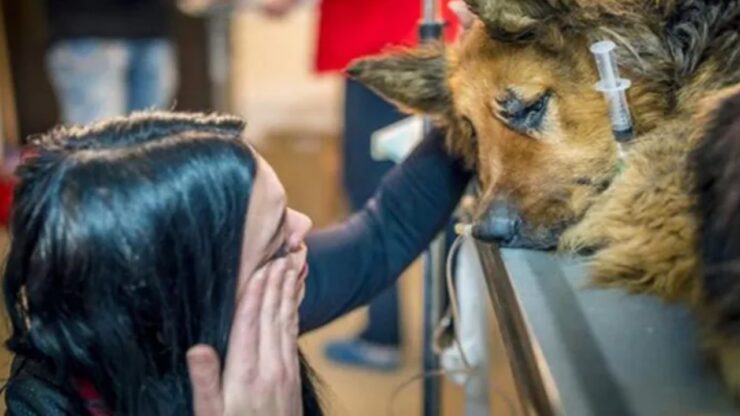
(514, 107)
(523, 117)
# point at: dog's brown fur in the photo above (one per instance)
(560, 170)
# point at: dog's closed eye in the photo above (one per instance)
(522, 116)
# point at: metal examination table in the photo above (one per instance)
(580, 351)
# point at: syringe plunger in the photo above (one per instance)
(614, 89)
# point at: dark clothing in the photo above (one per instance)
(119, 19)
(350, 263)
(364, 113)
(384, 319)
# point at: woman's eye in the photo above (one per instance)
(282, 251)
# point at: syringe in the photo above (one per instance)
(614, 89)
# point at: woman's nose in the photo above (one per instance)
(297, 225)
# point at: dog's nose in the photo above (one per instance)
(500, 224)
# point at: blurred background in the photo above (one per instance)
(295, 118)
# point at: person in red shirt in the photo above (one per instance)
(349, 30)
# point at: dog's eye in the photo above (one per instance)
(539, 105)
(522, 116)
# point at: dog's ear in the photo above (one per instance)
(416, 81)
(413, 79)
(553, 23)
(517, 20)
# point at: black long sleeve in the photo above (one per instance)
(354, 261)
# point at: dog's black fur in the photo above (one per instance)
(717, 165)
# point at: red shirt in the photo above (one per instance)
(91, 397)
(349, 29)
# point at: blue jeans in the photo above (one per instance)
(96, 78)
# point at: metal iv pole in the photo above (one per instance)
(430, 30)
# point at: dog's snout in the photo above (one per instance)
(500, 224)
(504, 224)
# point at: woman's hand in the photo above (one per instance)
(261, 374)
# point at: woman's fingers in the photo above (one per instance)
(288, 318)
(242, 361)
(261, 373)
(270, 357)
(290, 389)
(205, 376)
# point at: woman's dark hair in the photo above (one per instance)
(126, 244)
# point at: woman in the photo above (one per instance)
(138, 239)
(348, 30)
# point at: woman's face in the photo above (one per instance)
(272, 230)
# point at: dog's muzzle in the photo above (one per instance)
(503, 225)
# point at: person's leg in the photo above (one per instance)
(88, 76)
(152, 75)
(378, 344)
(364, 113)
(383, 326)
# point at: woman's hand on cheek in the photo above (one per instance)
(261, 374)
